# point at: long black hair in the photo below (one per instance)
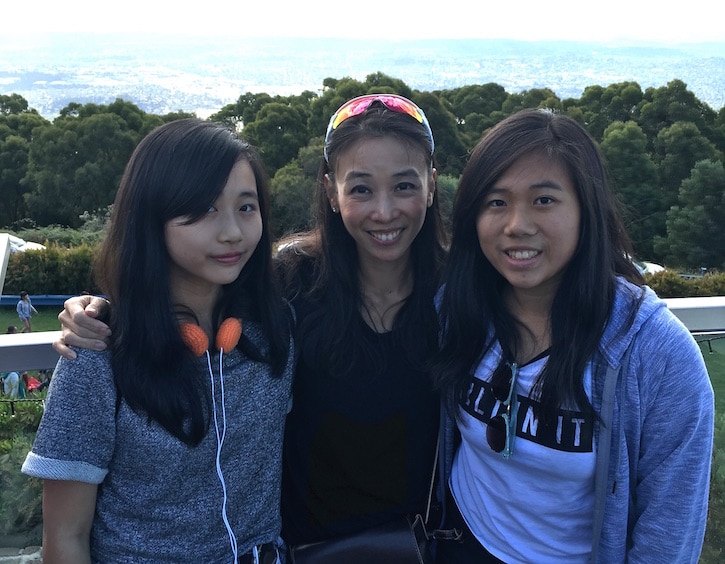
(473, 311)
(322, 264)
(179, 169)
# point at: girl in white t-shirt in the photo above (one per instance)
(583, 406)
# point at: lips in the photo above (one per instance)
(229, 258)
(522, 254)
(387, 236)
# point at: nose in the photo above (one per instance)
(519, 222)
(230, 230)
(385, 208)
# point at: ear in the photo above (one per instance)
(331, 191)
(432, 190)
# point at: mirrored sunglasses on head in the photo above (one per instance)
(393, 102)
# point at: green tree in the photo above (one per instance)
(620, 101)
(77, 162)
(718, 130)
(17, 123)
(22, 124)
(634, 175)
(677, 149)
(53, 160)
(599, 107)
(310, 157)
(481, 99)
(292, 196)
(243, 111)
(293, 190)
(335, 93)
(534, 98)
(473, 107)
(14, 151)
(696, 227)
(154, 121)
(662, 107)
(450, 151)
(278, 131)
(12, 104)
(446, 193)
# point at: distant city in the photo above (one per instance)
(202, 74)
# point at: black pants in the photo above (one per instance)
(466, 551)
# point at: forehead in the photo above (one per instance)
(533, 171)
(380, 155)
(241, 180)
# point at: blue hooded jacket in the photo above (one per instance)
(654, 437)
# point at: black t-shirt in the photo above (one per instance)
(358, 448)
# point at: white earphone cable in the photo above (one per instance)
(220, 443)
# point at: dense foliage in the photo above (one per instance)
(57, 270)
(663, 145)
(20, 506)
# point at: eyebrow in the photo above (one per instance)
(406, 172)
(543, 184)
(546, 184)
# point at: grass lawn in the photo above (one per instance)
(46, 320)
(714, 548)
(715, 362)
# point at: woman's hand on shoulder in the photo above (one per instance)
(80, 326)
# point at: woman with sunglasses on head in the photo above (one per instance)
(583, 407)
(360, 440)
(361, 436)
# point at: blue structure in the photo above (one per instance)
(37, 300)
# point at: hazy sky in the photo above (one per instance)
(687, 21)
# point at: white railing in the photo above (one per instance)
(700, 314)
(28, 351)
(33, 351)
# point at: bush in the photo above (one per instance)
(61, 236)
(20, 495)
(55, 270)
(91, 233)
(669, 284)
(17, 417)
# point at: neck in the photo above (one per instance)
(384, 291)
(533, 312)
(201, 305)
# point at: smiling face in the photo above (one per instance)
(213, 250)
(382, 189)
(528, 226)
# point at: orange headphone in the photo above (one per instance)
(227, 337)
(230, 331)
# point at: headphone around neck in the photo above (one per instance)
(227, 337)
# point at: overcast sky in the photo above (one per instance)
(687, 21)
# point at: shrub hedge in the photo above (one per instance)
(20, 495)
(60, 270)
(54, 270)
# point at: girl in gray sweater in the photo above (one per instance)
(145, 465)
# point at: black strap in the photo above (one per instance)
(267, 554)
